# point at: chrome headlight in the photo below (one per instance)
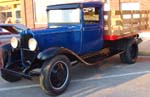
(32, 44)
(14, 42)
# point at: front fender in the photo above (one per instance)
(52, 52)
(9, 55)
(5, 51)
(6, 47)
(48, 53)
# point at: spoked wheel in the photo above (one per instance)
(55, 75)
(59, 74)
(131, 53)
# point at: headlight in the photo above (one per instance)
(14, 42)
(32, 44)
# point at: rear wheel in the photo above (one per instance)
(131, 52)
(55, 75)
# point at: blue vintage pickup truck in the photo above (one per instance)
(75, 34)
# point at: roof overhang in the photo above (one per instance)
(74, 5)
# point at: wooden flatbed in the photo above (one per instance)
(122, 24)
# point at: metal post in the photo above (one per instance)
(119, 4)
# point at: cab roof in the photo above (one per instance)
(75, 5)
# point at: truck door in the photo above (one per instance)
(92, 32)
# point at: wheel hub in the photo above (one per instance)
(58, 75)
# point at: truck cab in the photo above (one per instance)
(75, 33)
(75, 23)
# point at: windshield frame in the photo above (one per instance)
(53, 23)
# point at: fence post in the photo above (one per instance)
(109, 22)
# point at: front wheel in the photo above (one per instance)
(131, 52)
(55, 75)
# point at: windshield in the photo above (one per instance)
(64, 16)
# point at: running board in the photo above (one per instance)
(94, 59)
(100, 57)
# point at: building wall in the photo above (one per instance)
(30, 16)
(144, 4)
(9, 11)
(27, 13)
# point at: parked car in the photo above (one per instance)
(7, 31)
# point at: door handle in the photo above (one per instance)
(83, 29)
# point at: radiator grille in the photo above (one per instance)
(24, 40)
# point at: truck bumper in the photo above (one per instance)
(10, 72)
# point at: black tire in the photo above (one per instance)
(130, 54)
(11, 77)
(55, 75)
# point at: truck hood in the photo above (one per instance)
(56, 36)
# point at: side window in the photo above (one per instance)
(91, 15)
